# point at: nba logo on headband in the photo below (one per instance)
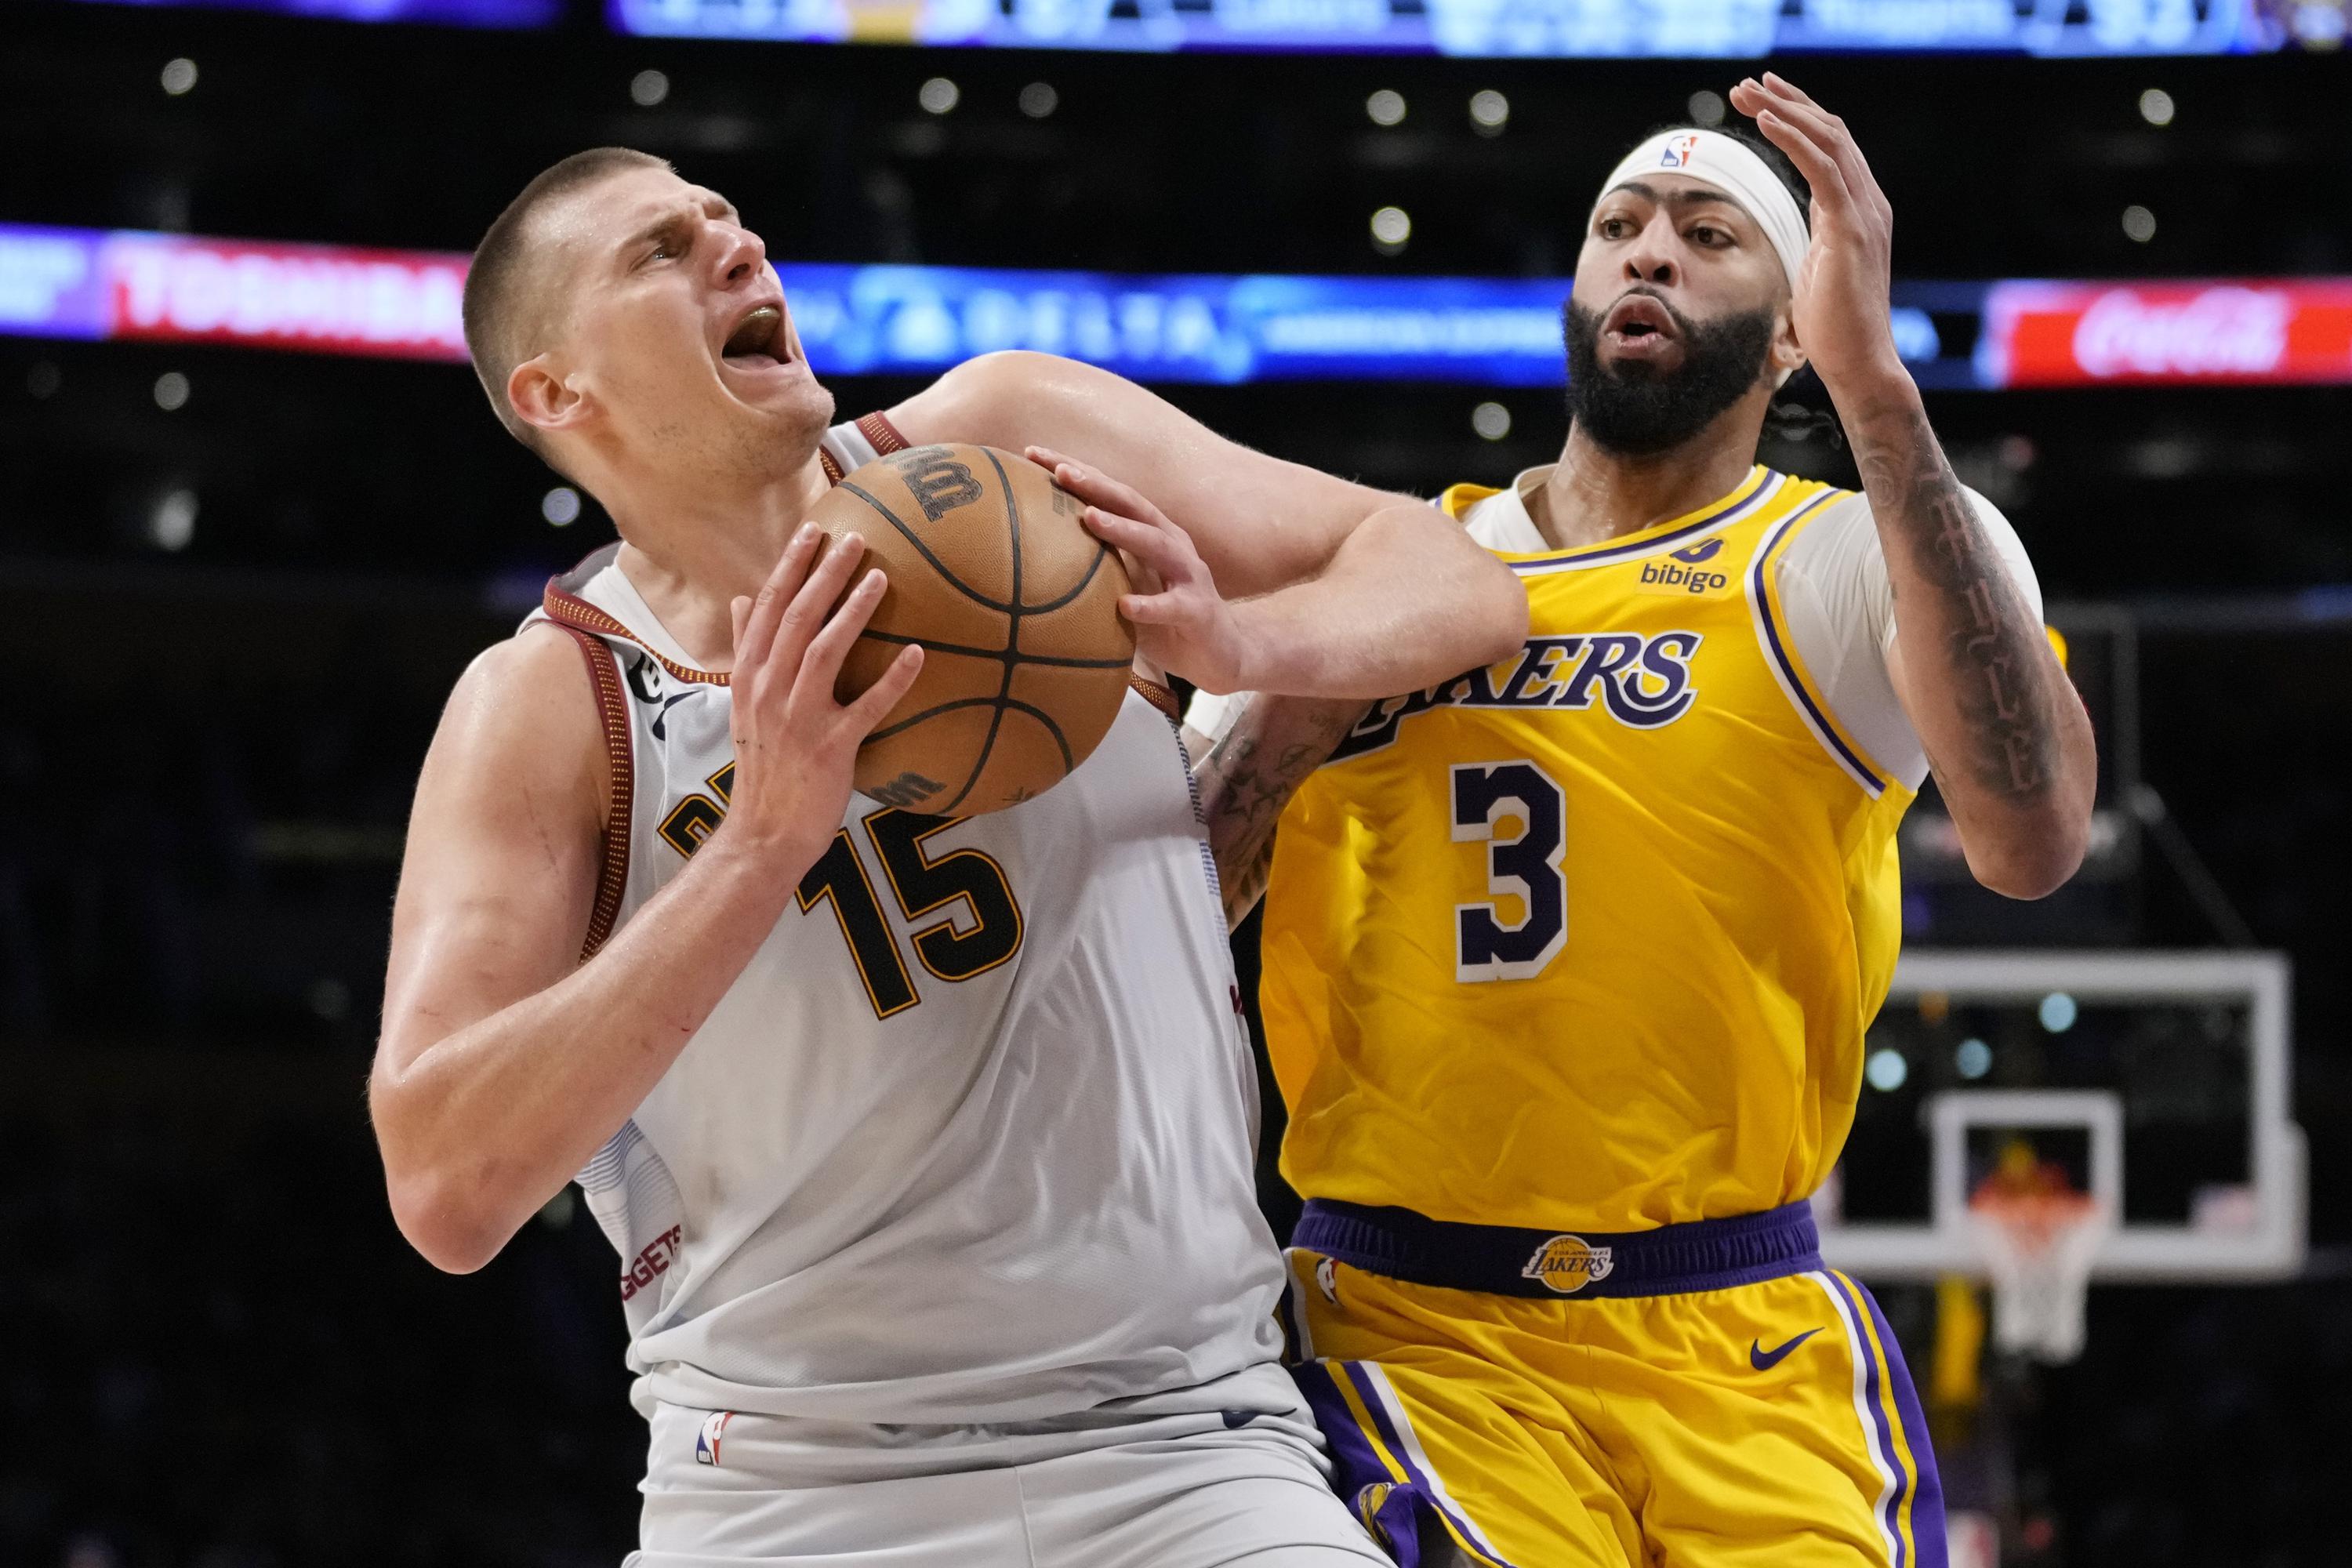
(1733, 167)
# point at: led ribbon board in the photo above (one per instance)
(854, 320)
(457, 13)
(1742, 29)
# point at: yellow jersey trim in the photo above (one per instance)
(1751, 493)
(1458, 500)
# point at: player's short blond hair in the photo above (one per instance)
(506, 305)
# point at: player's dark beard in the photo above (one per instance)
(1637, 411)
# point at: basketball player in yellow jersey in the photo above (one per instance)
(1568, 962)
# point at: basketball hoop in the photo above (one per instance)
(2038, 1247)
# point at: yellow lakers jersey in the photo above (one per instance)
(1589, 939)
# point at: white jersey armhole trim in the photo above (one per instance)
(849, 446)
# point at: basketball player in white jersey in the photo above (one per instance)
(926, 1144)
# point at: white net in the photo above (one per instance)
(2039, 1248)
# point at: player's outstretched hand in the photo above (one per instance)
(795, 744)
(1842, 287)
(1182, 623)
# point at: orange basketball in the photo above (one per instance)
(1016, 606)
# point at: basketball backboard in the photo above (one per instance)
(2159, 1081)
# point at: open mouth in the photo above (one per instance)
(1639, 323)
(758, 340)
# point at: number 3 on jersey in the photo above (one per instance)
(1525, 868)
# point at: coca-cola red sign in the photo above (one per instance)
(2077, 334)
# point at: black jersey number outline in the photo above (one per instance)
(923, 884)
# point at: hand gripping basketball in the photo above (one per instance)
(795, 744)
(1182, 623)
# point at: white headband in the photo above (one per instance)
(1724, 161)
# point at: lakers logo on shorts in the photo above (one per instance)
(1369, 1501)
(1568, 1264)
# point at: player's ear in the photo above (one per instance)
(542, 398)
(1787, 355)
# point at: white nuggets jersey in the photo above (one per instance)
(970, 1139)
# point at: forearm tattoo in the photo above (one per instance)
(1246, 779)
(1991, 651)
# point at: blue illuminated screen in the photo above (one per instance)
(454, 13)
(1558, 28)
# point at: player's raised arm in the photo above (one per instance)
(1260, 575)
(506, 1062)
(2010, 742)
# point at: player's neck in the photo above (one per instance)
(689, 555)
(1593, 494)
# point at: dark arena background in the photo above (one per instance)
(254, 518)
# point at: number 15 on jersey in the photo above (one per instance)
(1524, 868)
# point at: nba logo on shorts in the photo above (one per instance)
(1568, 1264)
(1679, 151)
(705, 1442)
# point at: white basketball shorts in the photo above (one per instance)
(731, 1490)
